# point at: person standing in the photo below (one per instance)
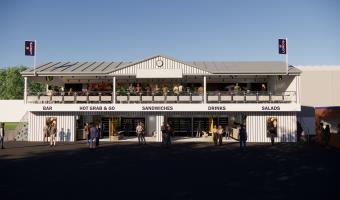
(140, 135)
(53, 133)
(327, 135)
(46, 133)
(164, 133)
(243, 138)
(323, 134)
(86, 131)
(299, 132)
(93, 136)
(98, 133)
(220, 134)
(2, 134)
(214, 134)
(168, 135)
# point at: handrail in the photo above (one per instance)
(166, 97)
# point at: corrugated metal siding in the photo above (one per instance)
(159, 123)
(256, 122)
(167, 64)
(36, 123)
(257, 127)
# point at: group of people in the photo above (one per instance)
(218, 132)
(93, 132)
(50, 131)
(163, 89)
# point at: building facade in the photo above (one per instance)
(191, 96)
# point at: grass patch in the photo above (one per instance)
(10, 125)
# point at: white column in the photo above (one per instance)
(159, 123)
(25, 90)
(114, 89)
(205, 89)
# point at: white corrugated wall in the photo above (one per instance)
(167, 64)
(256, 123)
(257, 126)
(36, 123)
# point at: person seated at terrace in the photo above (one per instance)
(175, 90)
(156, 89)
(237, 89)
(263, 87)
(131, 89)
(70, 92)
(148, 90)
(165, 90)
(138, 88)
(180, 88)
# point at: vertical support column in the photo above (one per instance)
(25, 90)
(159, 123)
(114, 90)
(205, 89)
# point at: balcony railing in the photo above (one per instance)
(149, 97)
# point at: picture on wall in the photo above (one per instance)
(272, 126)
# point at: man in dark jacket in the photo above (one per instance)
(93, 136)
(243, 138)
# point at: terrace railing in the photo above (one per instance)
(169, 97)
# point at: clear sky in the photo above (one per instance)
(130, 30)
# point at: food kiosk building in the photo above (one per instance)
(190, 96)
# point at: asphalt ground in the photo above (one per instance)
(182, 171)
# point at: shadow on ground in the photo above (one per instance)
(182, 171)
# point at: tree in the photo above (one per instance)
(12, 83)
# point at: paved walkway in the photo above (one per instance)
(182, 171)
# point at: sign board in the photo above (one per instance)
(164, 107)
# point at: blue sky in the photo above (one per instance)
(130, 30)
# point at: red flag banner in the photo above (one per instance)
(282, 46)
(29, 48)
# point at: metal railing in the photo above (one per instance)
(160, 97)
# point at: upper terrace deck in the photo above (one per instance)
(154, 80)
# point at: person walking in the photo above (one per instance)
(53, 133)
(2, 134)
(93, 136)
(243, 138)
(214, 134)
(220, 134)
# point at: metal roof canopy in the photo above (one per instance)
(213, 67)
